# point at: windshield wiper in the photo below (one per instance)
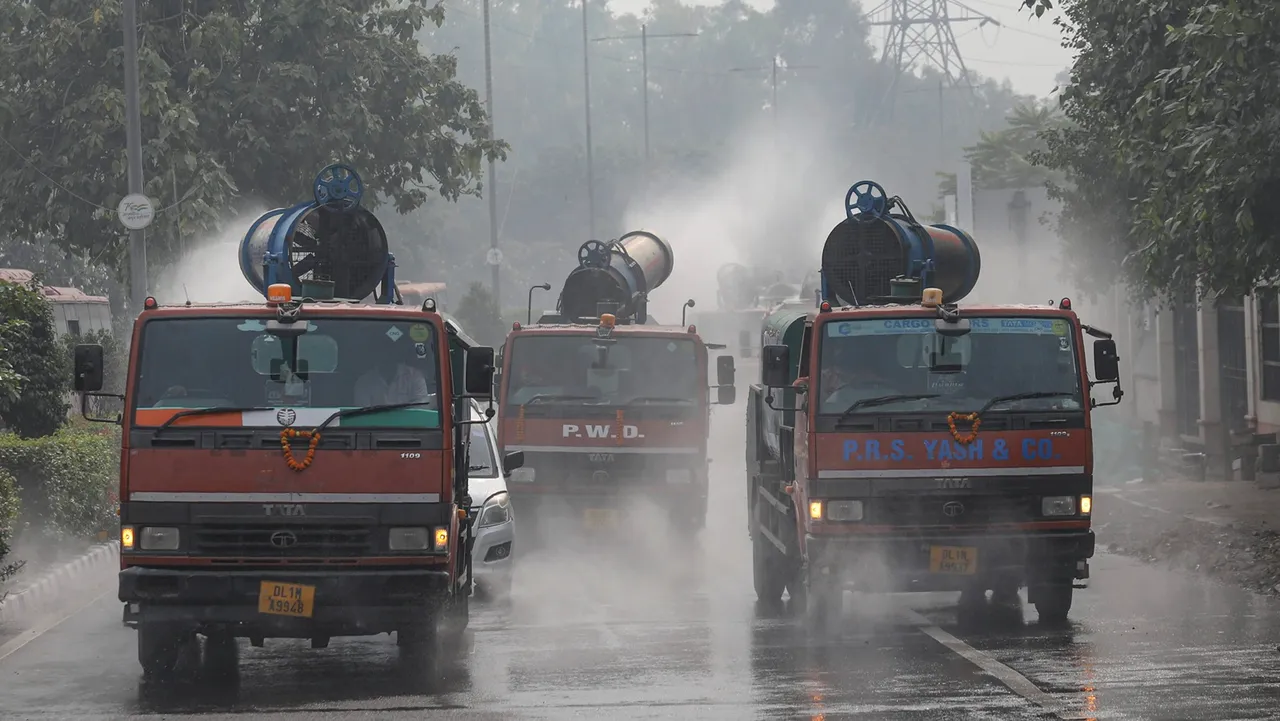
(349, 412)
(558, 397)
(883, 400)
(1024, 397)
(480, 468)
(208, 411)
(655, 399)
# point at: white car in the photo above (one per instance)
(495, 527)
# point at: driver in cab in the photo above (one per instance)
(391, 380)
(852, 374)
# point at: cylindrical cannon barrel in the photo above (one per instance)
(622, 272)
(333, 248)
(862, 256)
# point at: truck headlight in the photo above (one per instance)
(844, 510)
(496, 511)
(1058, 506)
(679, 475)
(442, 539)
(409, 539)
(1086, 505)
(158, 538)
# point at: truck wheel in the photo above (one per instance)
(1053, 602)
(159, 648)
(417, 640)
(825, 601)
(768, 571)
(221, 654)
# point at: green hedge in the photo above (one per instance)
(67, 482)
(9, 505)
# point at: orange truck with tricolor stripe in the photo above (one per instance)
(296, 467)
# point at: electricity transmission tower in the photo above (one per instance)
(919, 31)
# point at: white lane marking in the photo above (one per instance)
(952, 472)
(196, 497)
(45, 626)
(1016, 682)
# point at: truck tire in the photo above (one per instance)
(221, 655)
(768, 570)
(160, 646)
(417, 640)
(824, 602)
(1053, 602)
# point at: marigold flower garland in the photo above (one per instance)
(973, 432)
(290, 433)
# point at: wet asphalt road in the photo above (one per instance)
(630, 633)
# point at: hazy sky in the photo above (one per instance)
(1026, 50)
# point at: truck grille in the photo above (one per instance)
(279, 540)
(972, 510)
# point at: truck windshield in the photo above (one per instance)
(572, 368)
(1000, 356)
(230, 362)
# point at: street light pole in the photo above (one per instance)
(773, 82)
(643, 37)
(133, 149)
(586, 96)
(492, 190)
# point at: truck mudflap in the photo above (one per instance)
(947, 562)
(285, 603)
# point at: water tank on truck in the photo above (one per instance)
(619, 274)
(881, 254)
(325, 248)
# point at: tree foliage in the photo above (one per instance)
(243, 100)
(1006, 158)
(36, 354)
(1174, 159)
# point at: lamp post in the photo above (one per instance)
(543, 286)
(644, 37)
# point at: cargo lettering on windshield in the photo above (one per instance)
(999, 450)
(590, 430)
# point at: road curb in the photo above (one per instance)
(47, 589)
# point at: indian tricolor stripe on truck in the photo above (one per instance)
(288, 417)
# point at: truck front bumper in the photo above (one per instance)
(347, 602)
(915, 562)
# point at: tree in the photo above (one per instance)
(241, 101)
(1176, 150)
(38, 356)
(1005, 158)
(479, 316)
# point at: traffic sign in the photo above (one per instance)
(136, 211)
(493, 257)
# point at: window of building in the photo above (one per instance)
(73, 328)
(1269, 343)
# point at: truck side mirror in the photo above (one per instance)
(88, 368)
(512, 461)
(724, 370)
(1106, 361)
(479, 372)
(775, 366)
(726, 395)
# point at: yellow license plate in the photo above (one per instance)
(599, 518)
(286, 599)
(962, 560)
